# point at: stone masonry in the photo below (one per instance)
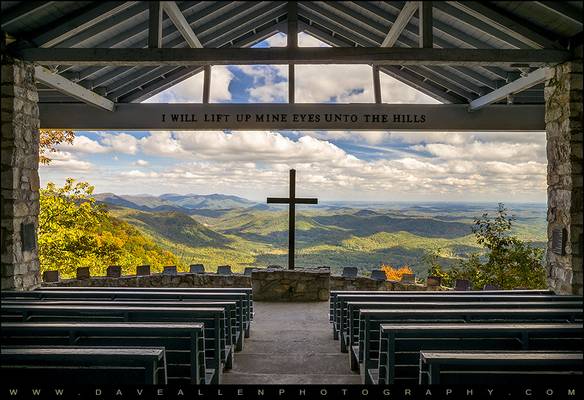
(268, 285)
(20, 178)
(286, 285)
(563, 97)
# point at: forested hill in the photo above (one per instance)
(220, 229)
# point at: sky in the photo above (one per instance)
(331, 165)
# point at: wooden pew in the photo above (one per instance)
(149, 297)
(218, 354)
(370, 321)
(184, 342)
(246, 290)
(500, 367)
(351, 322)
(234, 322)
(407, 293)
(400, 344)
(83, 365)
(342, 299)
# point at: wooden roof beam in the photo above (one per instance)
(179, 20)
(304, 55)
(72, 89)
(78, 23)
(507, 24)
(403, 18)
(534, 78)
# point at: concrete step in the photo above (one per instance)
(289, 379)
(292, 363)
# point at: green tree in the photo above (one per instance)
(76, 231)
(431, 259)
(506, 262)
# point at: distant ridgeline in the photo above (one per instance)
(219, 229)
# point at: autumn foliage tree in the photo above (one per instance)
(76, 231)
(395, 274)
(49, 139)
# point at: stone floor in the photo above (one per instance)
(291, 343)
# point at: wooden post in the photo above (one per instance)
(376, 84)
(206, 84)
(292, 43)
(155, 25)
(425, 24)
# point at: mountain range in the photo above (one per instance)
(223, 229)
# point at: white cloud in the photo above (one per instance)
(254, 164)
(66, 161)
(83, 144)
(120, 142)
(396, 92)
(270, 82)
(277, 40)
(141, 163)
(161, 144)
(306, 40)
(191, 89)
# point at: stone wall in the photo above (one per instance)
(363, 283)
(268, 285)
(20, 178)
(563, 96)
(161, 280)
(285, 285)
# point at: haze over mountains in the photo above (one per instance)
(223, 229)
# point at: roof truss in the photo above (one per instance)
(185, 26)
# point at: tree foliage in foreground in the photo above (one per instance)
(75, 231)
(506, 262)
(49, 138)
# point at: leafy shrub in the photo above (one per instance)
(395, 274)
(507, 262)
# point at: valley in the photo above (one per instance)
(219, 229)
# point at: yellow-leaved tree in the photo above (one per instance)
(76, 231)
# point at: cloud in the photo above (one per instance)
(191, 89)
(120, 142)
(256, 163)
(306, 40)
(277, 40)
(83, 144)
(66, 161)
(270, 82)
(141, 163)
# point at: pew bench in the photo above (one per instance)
(500, 367)
(218, 351)
(149, 297)
(234, 322)
(400, 344)
(83, 365)
(340, 317)
(351, 320)
(360, 356)
(335, 293)
(184, 343)
(246, 290)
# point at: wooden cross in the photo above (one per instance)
(292, 200)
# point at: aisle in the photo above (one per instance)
(291, 343)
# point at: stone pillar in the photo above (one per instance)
(563, 117)
(20, 176)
